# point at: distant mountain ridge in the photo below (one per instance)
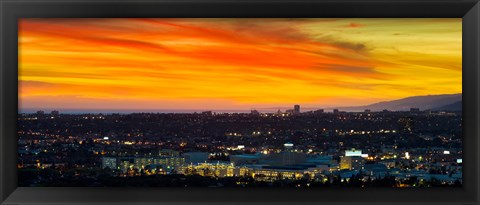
(445, 102)
(456, 106)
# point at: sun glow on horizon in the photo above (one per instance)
(123, 63)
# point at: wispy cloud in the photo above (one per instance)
(235, 62)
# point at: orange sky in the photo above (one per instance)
(158, 64)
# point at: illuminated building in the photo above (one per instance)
(314, 171)
(345, 162)
(125, 164)
(270, 175)
(140, 163)
(211, 170)
(109, 162)
(351, 163)
(286, 157)
(168, 162)
(168, 152)
(353, 153)
(241, 171)
(288, 146)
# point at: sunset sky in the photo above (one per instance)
(219, 64)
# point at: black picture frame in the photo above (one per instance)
(12, 10)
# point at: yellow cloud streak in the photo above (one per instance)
(321, 61)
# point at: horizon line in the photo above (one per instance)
(194, 110)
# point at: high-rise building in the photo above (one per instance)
(335, 111)
(296, 109)
(55, 113)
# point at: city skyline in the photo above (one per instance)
(224, 64)
(443, 100)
